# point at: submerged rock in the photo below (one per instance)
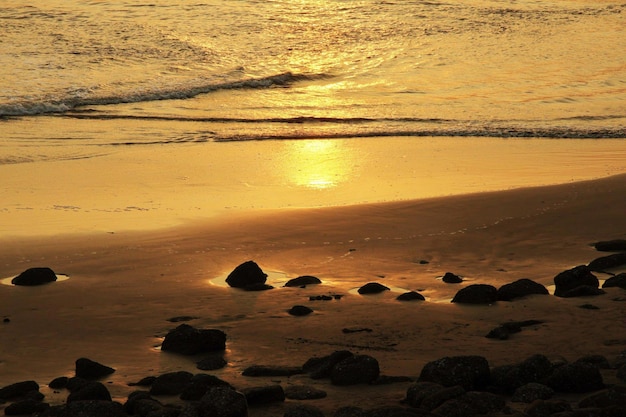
(303, 281)
(35, 276)
(246, 274)
(573, 278)
(477, 294)
(372, 288)
(188, 340)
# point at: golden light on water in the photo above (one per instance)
(318, 163)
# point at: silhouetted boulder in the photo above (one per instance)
(26, 407)
(321, 367)
(437, 398)
(92, 390)
(58, 383)
(614, 245)
(223, 402)
(520, 288)
(171, 383)
(303, 281)
(264, 395)
(608, 262)
(450, 278)
(93, 408)
(35, 276)
(471, 404)
(476, 294)
(599, 361)
(211, 363)
(532, 391)
(88, 369)
(411, 296)
(576, 377)
(246, 274)
(188, 340)
(18, 389)
(199, 385)
(508, 378)
(419, 391)
(583, 291)
(618, 280)
(614, 396)
(357, 369)
(545, 408)
(258, 287)
(372, 288)
(573, 278)
(470, 372)
(299, 310)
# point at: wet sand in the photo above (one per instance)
(123, 288)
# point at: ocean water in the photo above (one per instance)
(284, 69)
(119, 113)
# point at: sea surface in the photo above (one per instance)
(87, 80)
(284, 69)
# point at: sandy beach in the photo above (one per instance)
(123, 288)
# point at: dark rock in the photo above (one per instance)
(419, 391)
(614, 396)
(264, 395)
(303, 281)
(476, 294)
(608, 262)
(545, 408)
(35, 276)
(532, 391)
(599, 361)
(470, 372)
(299, 310)
(450, 278)
(258, 287)
(88, 369)
(573, 278)
(26, 407)
(211, 363)
(223, 402)
(471, 404)
(303, 410)
(264, 370)
(322, 367)
(18, 389)
(614, 245)
(132, 404)
(76, 382)
(520, 288)
(246, 274)
(576, 377)
(503, 331)
(145, 406)
(410, 296)
(143, 382)
(320, 298)
(171, 383)
(583, 291)
(92, 390)
(188, 340)
(304, 392)
(372, 288)
(199, 385)
(589, 307)
(508, 378)
(356, 369)
(439, 397)
(58, 383)
(618, 280)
